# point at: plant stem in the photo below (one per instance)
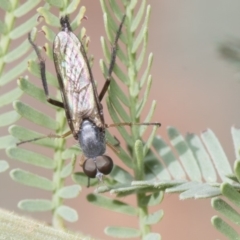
(134, 97)
(57, 221)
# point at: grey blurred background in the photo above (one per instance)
(195, 89)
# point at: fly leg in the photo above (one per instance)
(130, 124)
(46, 136)
(82, 160)
(43, 74)
(112, 61)
(108, 80)
(113, 147)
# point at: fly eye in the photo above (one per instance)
(89, 168)
(101, 164)
(104, 164)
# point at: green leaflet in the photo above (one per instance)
(33, 68)
(145, 96)
(24, 28)
(115, 8)
(49, 33)
(3, 166)
(67, 213)
(81, 179)
(111, 204)
(185, 154)
(56, 3)
(200, 153)
(121, 112)
(153, 168)
(152, 199)
(231, 194)
(5, 5)
(148, 118)
(25, 7)
(32, 90)
(50, 18)
(67, 170)
(217, 154)
(154, 217)
(70, 151)
(69, 191)
(200, 191)
(35, 205)
(236, 141)
(24, 134)
(78, 18)
(122, 232)
(152, 236)
(10, 96)
(7, 141)
(143, 31)
(225, 209)
(35, 116)
(121, 175)
(30, 157)
(17, 52)
(147, 70)
(169, 159)
(139, 16)
(3, 27)
(224, 228)
(15, 71)
(115, 118)
(8, 118)
(237, 170)
(72, 6)
(31, 179)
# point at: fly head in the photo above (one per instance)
(97, 167)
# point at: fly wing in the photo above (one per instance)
(75, 81)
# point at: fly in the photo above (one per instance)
(80, 99)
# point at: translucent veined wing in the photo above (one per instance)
(74, 79)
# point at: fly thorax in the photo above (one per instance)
(97, 119)
(91, 139)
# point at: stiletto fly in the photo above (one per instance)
(80, 99)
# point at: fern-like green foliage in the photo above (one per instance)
(193, 166)
(9, 34)
(59, 167)
(230, 51)
(127, 107)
